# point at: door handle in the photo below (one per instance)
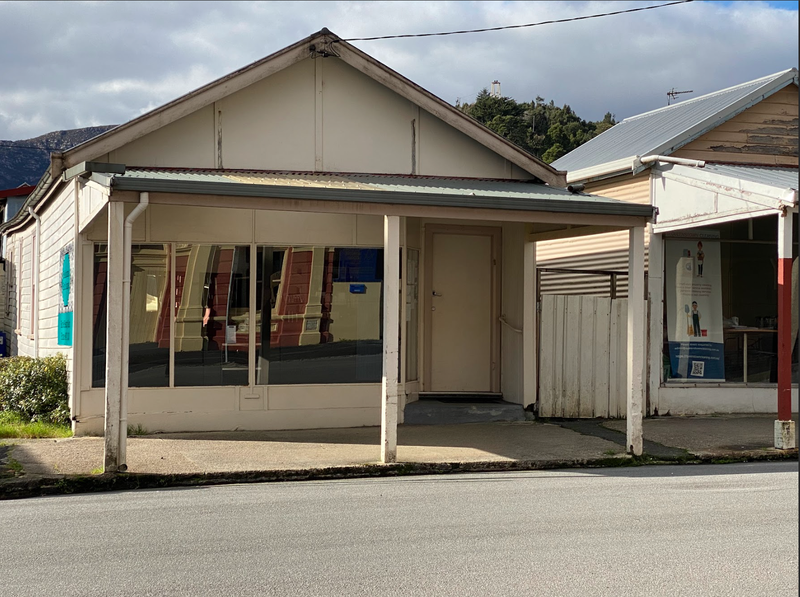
(436, 293)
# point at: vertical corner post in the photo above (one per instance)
(529, 323)
(116, 225)
(784, 426)
(636, 340)
(391, 337)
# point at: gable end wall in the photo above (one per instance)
(316, 115)
(764, 134)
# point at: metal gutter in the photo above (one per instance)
(85, 168)
(601, 171)
(566, 205)
(36, 256)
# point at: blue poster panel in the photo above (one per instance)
(694, 309)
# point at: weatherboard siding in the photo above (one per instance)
(608, 251)
(764, 134)
(58, 231)
(23, 334)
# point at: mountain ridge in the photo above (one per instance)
(24, 161)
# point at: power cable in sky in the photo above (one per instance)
(583, 18)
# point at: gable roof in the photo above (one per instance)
(323, 43)
(663, 131)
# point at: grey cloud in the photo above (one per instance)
(78, 64)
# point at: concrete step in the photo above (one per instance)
(450, 411)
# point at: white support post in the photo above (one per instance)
(529, 319)
(391, 336)
(116, 225)
(636, 340)
(785, 438)
(655, 295)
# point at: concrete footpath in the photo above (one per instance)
(46, 466)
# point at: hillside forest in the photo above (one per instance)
(539, 127)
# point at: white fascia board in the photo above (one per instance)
(710, 220)
(601, 171)
(758, 193)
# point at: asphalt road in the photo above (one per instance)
(669, 530)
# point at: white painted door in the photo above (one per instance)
(461, 313)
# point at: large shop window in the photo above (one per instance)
(721, 304)
(148, 359)
(212, 302)
(319, 315)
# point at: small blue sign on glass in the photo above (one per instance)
(358, 289)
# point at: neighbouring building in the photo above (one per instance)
(721, 171)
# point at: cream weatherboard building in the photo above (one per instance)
(721, 171)
(311, 241)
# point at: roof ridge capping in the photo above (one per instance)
(322, 43)
(761, 81)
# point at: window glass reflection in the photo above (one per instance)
(412, 314)
(148, 356)
(99, 296)
(319, 315)
(211, 314)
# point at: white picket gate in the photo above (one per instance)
(582, 357)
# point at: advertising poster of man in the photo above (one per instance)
(694, 309)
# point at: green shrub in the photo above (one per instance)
(35, 388)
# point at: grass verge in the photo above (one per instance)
(13, 425)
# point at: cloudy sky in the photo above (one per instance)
(75, 64)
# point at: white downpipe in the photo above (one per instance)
(649, 159)
(35, 259)
(127, 241)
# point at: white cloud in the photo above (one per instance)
(84, 63)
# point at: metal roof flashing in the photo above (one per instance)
(381, 189)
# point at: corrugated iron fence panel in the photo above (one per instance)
(582, 357)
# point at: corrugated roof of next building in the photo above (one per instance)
(664, 130)
(784, 178)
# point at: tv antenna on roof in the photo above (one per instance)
(672, 95)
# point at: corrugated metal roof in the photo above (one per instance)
(664, 130)
(372, 188)
(782, 178)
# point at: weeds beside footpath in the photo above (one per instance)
(14, 425)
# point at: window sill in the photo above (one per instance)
(732, 384)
